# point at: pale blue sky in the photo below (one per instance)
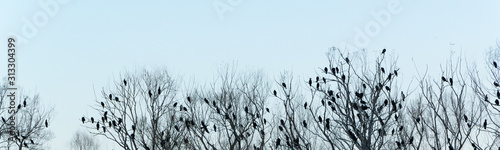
(85, 44)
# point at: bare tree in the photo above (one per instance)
(137, 112)
(447, 114)
(489, 93)
(30, 123)
(353, 106)
(83, 141)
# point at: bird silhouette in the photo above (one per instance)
(19, 106)
(383, 51)
(133, 127)
(117, 99)
(382, 69)
(310, 82)
(278, 141)
(497, 102)
(189, 99)
(417, 119)
(343, 78)
(466, 118)
(496, 84)
(110, 97)
(267, 109)
(305, 105)
(32, 142)
(46, 124)
(351, 135)
(498, 93)
(159, 90)
(283, 84)
(104, 129)
(387, 88)
(320, 119)
(150, 94)
(175, 104)
(443, 79)
(485, 123)
(304, 123)
(275, 93)
(451, 81)
(317, 78)
(206, 101)
(495, 64)
(125, 82)
(97, 125)
(326, 70)
(102, 104)
(83, 119)
(24, 102)
(347, 60)
(92, 119)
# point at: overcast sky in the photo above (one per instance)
(71, 47)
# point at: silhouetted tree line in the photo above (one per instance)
(353, 103)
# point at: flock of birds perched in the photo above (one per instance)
(334, 71)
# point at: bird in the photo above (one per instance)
(92, 119)
(176, 128)
(497, 102)
(495, 64)
(159, 90)
(305, 105)
(267, 109)
(19, 106)
(283, 84)
(83, 119)
(347, 60)
(175, 104)
(351, 135)
(343, 78)
(104, 129)
(46, 124)
(418, 119)
(125, 82)
(275, 93)
(498, 93)
(387, 88)
(310, 82)
(386, 102)
(150, 94)
(278, 141)
(383, 51)
(3, 119)
(443, 79)
(32, 142)
(102, 104)
(246, 109)
(320, 119)
(496, 84)
(133, 127)
(117, 99)
(326, 70)
(189, 99)
(382, 69)
(317, 78)
(25, 144)
(282, 122)
(451, 81)
(110, 96)
(304, 123)
(24, 102)
(485, 123)
(466, 118)
(206, 101)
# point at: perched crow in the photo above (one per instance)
(326, 70)
(206, 101)
(125, 82)
(278, 141)
(443, 79)
(495, 64)
(110, 97)
(24, 102)
(83, 119)
(305, 105)
(451, 81)
(382, 69)
(283, 84)
(133, 127)
(387, 88)
(304, 123)
(418, 119)
(497, 102)
(189, 99)
(92, 119)
(97, 125)
(347, 60)
(175, 104)
(150, 94)
(351, 135)
(320, 119)
(310, 82)
(485, 123)
(46, 124)
(32, 142)
(117, 99)
(102, 104)
(275, 93)
(267, 109)
(496, 84)
(466, 118)
(383, 51)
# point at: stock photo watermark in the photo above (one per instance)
(31, 25)
(221, 7)
(11, 87)
(373, 28)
